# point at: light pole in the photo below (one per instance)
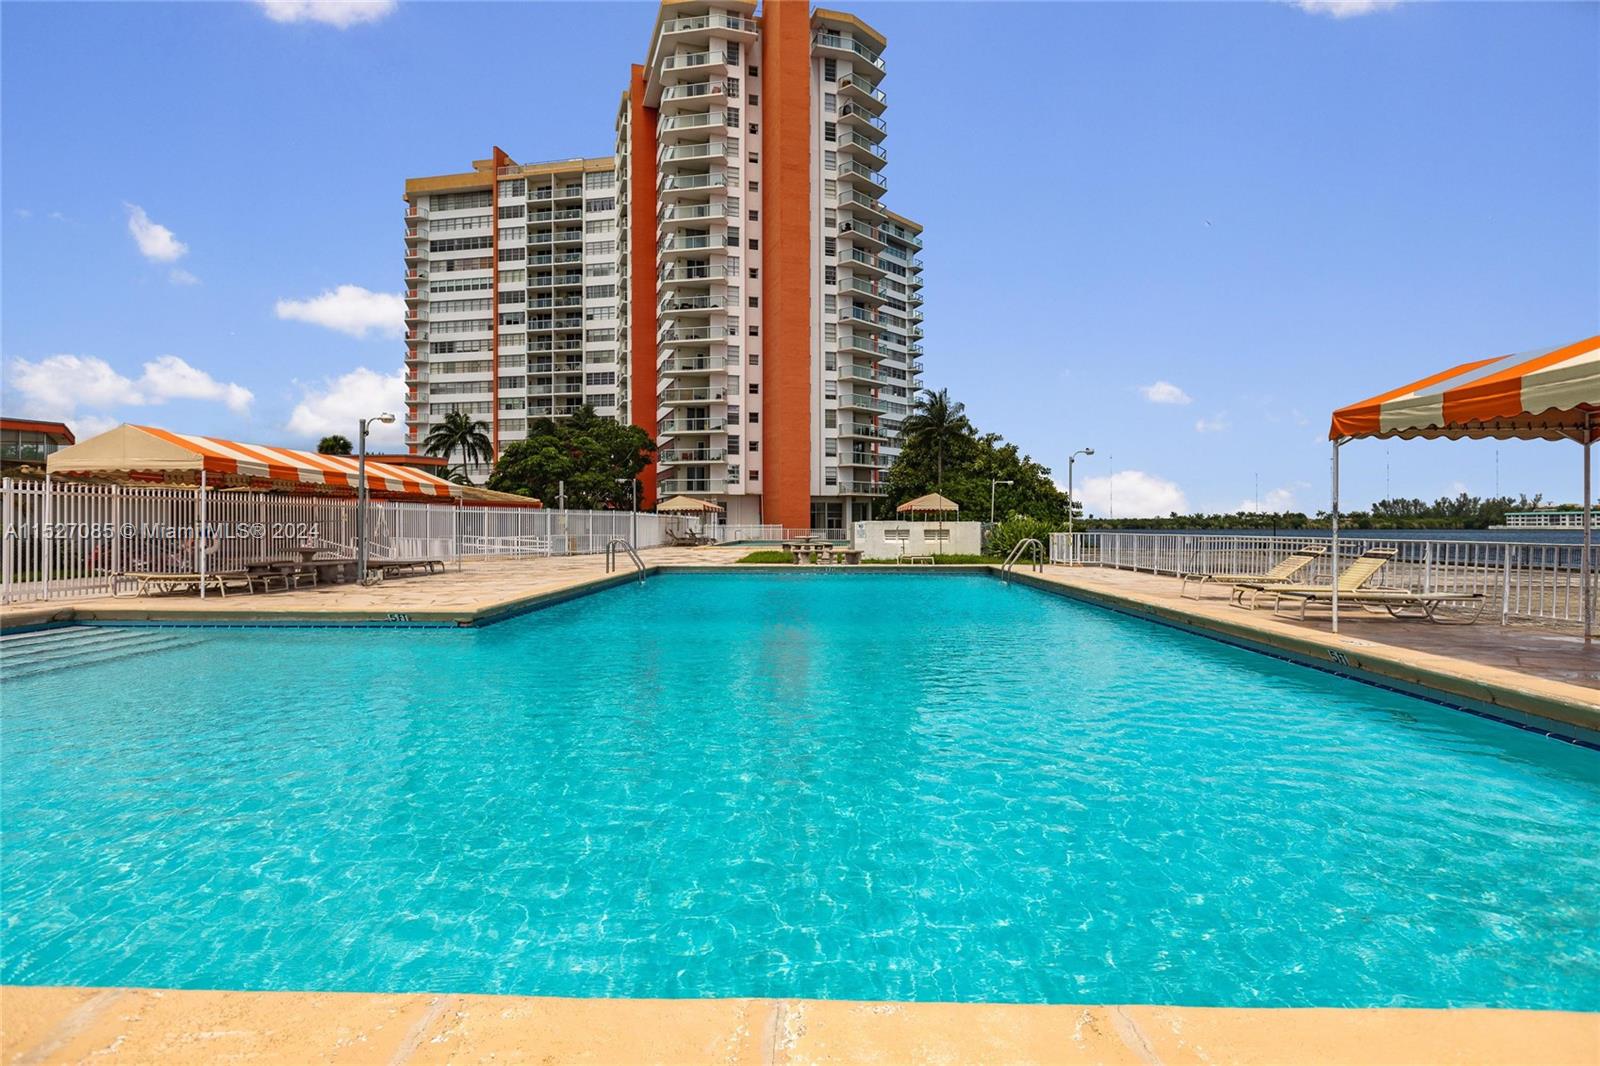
(633, 482)
(1072, 547)
(361, 494)
(992, 483)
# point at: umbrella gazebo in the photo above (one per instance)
(688, 505)
(1548, 394)
(932, 503)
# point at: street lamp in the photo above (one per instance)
(1072, 547)
(992, 483)
(361, 494)
(634, 483)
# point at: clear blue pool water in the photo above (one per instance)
(921, 788)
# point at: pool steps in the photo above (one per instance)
(31, 654)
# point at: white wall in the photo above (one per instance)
(890, 540)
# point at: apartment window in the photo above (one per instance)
(732, 115)
(830, 246)
(603, 399)
(600, 292)
(601, 377)
(830, 360)
(513, 318)
(830, 188)
(830, 475)
(830, 70)
(754, 301)
(830, 103)
(458, 201)
(830, 132)
(599, 179)
(735, 442)
(830, 390)
(830, 447)
(754, 158)
(600, 248)
(755, 475)
(754, 72)
(755, 445)
(600, 335)
(600, 225)
(755, 127)
(512, 233)
(513, 255)
(513, 188)
(599, 314)
(755, 358)
(830, 420)
(600, 270)
(731, 86)
(755, 331)
(601, 203)
(755, 273)
(755, 388)
(755, 186)
(830, 275)
(830, 332)
(830, 160)
(755, 244)
(755, 420)
(755, 99)
(514, 211)
(830, 302)
(733, 472)
(733, 237)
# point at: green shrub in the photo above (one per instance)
(1004, 537)
(770, 556)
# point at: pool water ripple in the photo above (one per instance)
(922, 788)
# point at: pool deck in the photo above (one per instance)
(1534, 674)
(70, 1025)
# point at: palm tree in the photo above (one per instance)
(459, 433)
(938, 424)
(334, 444)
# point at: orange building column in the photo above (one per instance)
(499, 160)
(641, 237)
(786, 262)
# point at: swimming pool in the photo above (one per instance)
(842, 786)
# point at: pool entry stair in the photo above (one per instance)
(46, 651)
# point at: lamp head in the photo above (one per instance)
(386, 418)
(1088, 451)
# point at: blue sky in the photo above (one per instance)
(1266, 210)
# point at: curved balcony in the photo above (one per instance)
(691, 336)
(862, 177)
(693, 395)
(863, 120)
(869, 152)
(686, 124)
(676, 187)
(861, 234)
(864, 91)
(674, 456)
(694, 364)
(697, 244)
(681, 426)
(845, 46)
(861, 262)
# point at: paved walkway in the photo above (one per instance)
(62, 1025)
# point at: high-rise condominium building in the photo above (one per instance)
(730, 280)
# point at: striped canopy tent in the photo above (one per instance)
(1548, 394)
(687, 505)
(146, 455)
(932, 503)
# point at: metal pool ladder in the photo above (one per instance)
(611, 556)
(1035, 557)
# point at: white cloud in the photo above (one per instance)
(180, 276)
(1215, 424)
(338, 404)
(55, 386)
(350, 309)
(156, 242)
(341, 14)
(1345, 9)
(1164, 392)
(23, 212)
(169, 378)
(1272, 502)
(1133, 494)
(85, 426)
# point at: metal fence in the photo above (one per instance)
(1520, 580)
(66, 540)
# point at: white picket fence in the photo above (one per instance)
(1520, 580)
(66, 540)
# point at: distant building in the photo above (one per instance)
(25, 443)
(730, 279)
(1551, 518)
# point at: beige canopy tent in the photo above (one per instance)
(1548, 394)
(687, 505)
(932, 503)
(146, 455)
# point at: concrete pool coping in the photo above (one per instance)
(504, 589)
(58, 1025)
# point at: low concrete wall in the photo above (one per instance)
(890, 540)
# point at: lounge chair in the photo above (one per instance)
(148, 581)
(408, 566)
(1351, 578)
(1281, 574)
(1401, 603)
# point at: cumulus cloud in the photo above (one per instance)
(1345, 9)
(336, 405)
(350, 309)
(1132, 494)
(156, 242)
(1164, 392)
(1215, 424)
(341, 14)
(1271, 502)
(55, 386)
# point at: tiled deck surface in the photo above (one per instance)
(1545, 668)
(61, 1025)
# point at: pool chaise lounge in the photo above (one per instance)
(1351, 578)
(1401, 603)
(146, 582)
(406, 566)
(1281, 574)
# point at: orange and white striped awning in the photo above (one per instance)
(1549, 394)
(145, 453)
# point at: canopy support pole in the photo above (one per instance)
(200, 533)
(1588, 532)
(1334, 514)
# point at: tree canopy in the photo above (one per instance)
(942, 445)
(334, 444)
(459, 432)
(587, 452)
